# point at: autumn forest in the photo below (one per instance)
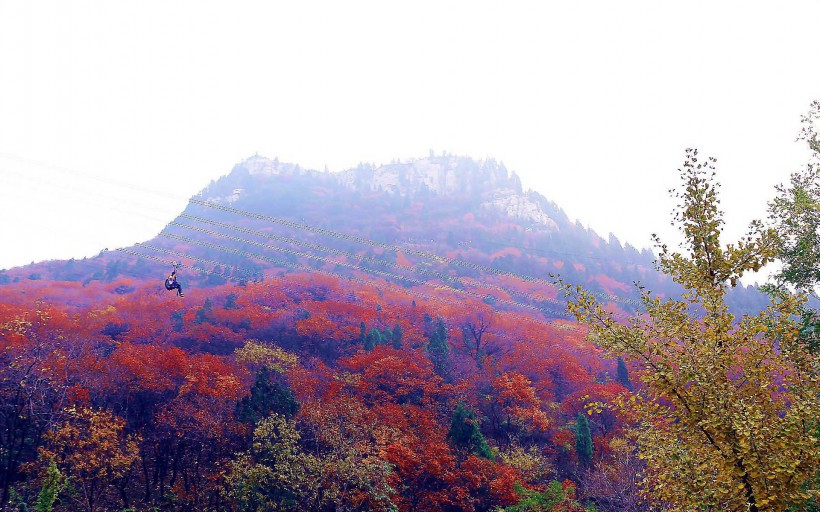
(419, 336)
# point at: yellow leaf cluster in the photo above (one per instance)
(91, 449)
(260, 354)
(726, 415)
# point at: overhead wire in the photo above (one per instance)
(361, 240)
(317, 247)
(98, 266)
(468, 244)
(78, 192)
(383, 274)
(415, 269)
(164, 193)
(81, 193)
(126, 208)
(286, 285)
(304, 268)
(383, 245)
(386, 284)
(254, 276)
(95, 177)
(442, 276)
(406, 250)
(135, 209)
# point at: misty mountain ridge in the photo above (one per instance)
(456, 206)
(473, 215)
(384, 305)
(499, 189)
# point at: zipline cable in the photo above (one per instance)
(397, 289)
(444, 277)
(383, 245)
(132, 208)
(252, 275)
(424, 254)
(532, 297)
(318, 247)
(308, 269)
(166, 194)
(374, 271)
(95, 177)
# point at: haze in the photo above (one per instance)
(112, 114)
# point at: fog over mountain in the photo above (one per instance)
(447, 218)
(413, 308)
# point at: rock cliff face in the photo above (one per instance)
(262, 166)
(444, 175)
(486, 183)
(515, 205)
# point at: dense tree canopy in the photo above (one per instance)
(726, 415)
(269, 396)
(796, 213)
(386, 377)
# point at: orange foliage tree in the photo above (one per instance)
(91, 448)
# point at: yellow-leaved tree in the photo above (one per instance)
(726, 414)
(93, 452)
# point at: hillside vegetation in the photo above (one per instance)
(385, 338)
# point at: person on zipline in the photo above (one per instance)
(172, 284)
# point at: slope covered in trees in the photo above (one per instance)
(443, 220)
(304, 392)
(381, 339)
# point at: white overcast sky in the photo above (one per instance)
(113, 112)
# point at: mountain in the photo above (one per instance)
(445, 220)
(476, 215)
(384, 338)
(451, 220)
(448, 176)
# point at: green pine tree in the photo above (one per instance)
(396, 335)
(583, 440)
(267, 396)
(230, 302)
(373, 339)
(438, 351)
(465, 434)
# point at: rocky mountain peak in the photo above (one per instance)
(446, 175)
(485, 182)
